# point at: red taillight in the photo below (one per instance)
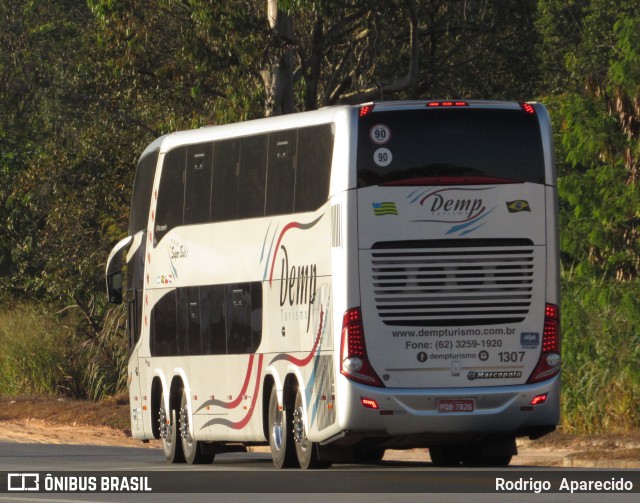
(365, 110)
(354, 363)
(551, 334)
(539, 399)
(443, 104)
(528, 107)
(549, 361)
(369, 403)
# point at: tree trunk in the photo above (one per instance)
(278, 75)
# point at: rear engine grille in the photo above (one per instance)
(452, 282)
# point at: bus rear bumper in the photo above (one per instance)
(431, 414)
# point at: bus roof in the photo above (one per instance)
(246, 128)
(324, 115)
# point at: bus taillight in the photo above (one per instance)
(549, 361)
(365, 110)
(354, 363)
(528, 107)
(446, 104)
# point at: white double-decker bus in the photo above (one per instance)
(339, 282)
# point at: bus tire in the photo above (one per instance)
(368, 454)
(193, 452)
(171, 445)
(306, 451)
(488, 461)
(281, 441)
(446, 455)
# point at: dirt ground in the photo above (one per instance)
(50, 420)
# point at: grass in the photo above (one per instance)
(49, 353)
(35, 351)
(601, 357)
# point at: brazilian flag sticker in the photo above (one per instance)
(518, 206)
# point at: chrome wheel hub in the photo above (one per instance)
(298, 427)
(184, 424)
(163, 427)
(276, 432)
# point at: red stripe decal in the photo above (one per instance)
(242, 423)
(236, 401)
(302, 362)
(289, 226)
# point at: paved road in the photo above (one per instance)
(240, 477)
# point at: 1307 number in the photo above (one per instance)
(511, 356)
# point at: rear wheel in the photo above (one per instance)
(487, 461)
(281, 441)
(495, 451)
(446, 455)
(368, 454)
(168, 429)
(192, 449)
(306, 451)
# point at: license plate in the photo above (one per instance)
(456, 405)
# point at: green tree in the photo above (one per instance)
(592, 63)
(63, 189)
(591, 67)
(408, 49)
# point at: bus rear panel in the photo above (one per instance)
(456, 332)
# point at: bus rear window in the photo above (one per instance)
(416, 146)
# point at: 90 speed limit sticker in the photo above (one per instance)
(382, 157)
(380, 134)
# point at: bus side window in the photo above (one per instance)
(197, 197)
(169, 212)
(252, 176)
(182, 322)
(217, 319)
(313, 171)
(164, 336)
(238, 307)
(224, 187)
(281, 172)
(256, 314)
(135, 285)
(199, 321)
(243, 307)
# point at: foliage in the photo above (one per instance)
(601, 349)
(591, 65)
(598, 131)
(358, 51)
(34, 352)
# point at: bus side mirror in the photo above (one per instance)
(114, 287)
(114, 271)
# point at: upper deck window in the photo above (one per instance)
(267, 174)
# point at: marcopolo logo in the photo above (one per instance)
(494, 374)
